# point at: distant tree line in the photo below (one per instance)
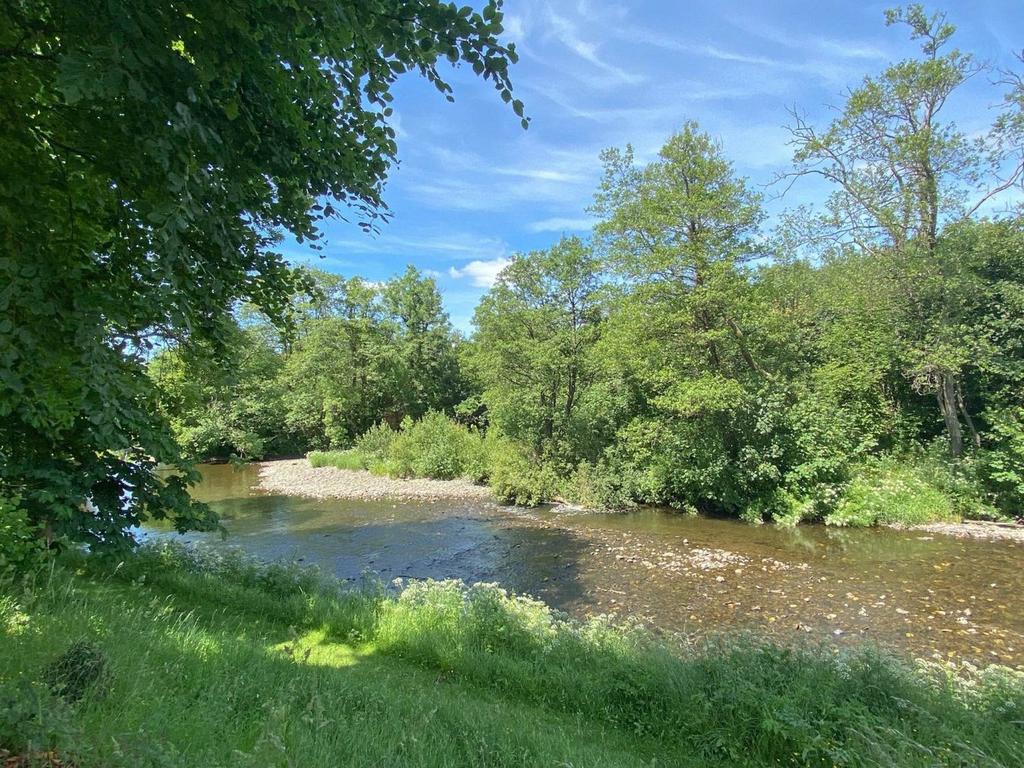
(357, 354)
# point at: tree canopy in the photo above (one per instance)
(152, 156)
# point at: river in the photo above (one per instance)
(925, 595)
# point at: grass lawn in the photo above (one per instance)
(213, 660)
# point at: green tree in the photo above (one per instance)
(426, 345)
(225, 405)
(343, 373)
(151, 155)
(679, 231)
(535, 330)
(902, 172)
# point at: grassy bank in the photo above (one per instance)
(213, 660)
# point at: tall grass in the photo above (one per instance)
(213, 659)
(350, 459)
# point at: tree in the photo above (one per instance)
(152, 154)
(680, 232)
(534, 331)
(343, 374)
(902, 172)
(426, 344)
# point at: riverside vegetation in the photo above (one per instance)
(212, 659)
(861, 364)
(858, 364)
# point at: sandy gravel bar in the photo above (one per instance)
(295, 477)
(975, 529)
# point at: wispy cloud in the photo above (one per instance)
(481, 273)
(827, 59)
(450, 245)
(568, 34)
(540, 175)
(515, 28)
(561, 224)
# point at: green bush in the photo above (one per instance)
(435, 446)
(21, 547)
(1003, 463)
(375, 443)
(892, 490)
(516, 479)
(598, 486)
(75, 672)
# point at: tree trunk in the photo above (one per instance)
(570, 393)
(962, 403)
(946, 396)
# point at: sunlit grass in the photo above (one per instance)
(214, 660)
(350, 459)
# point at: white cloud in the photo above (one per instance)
(561, 224)
(515, 28)
(829, 60)
(451, 245)
(540, 174)
(481, 273)
(565, 31)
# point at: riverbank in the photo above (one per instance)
(214, 660)
(296, 477)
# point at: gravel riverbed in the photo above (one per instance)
(295, 477)
(974, 529)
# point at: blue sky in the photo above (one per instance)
(472, 187)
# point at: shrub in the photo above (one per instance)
(891, 490)
(515, 479)
(1003, 464)
(34, 722)
(21, 548)
(375, 443)
(76, 671)
(598, 486)
(435, 446)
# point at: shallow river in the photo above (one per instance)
(928, 595)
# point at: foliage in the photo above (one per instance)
(224, 406)
(724, 370)
(350, 459)
(444, 673)
(375, 443)
(153, 155)
(359, 354)
(886, 491)
(21, 548)
(685, 355)
(34, 722)
(434, 446)
(517, 477)
(903, 177)
(1004, 464)
(598, 486)
(534, 332)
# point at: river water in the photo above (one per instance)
(929, 596)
